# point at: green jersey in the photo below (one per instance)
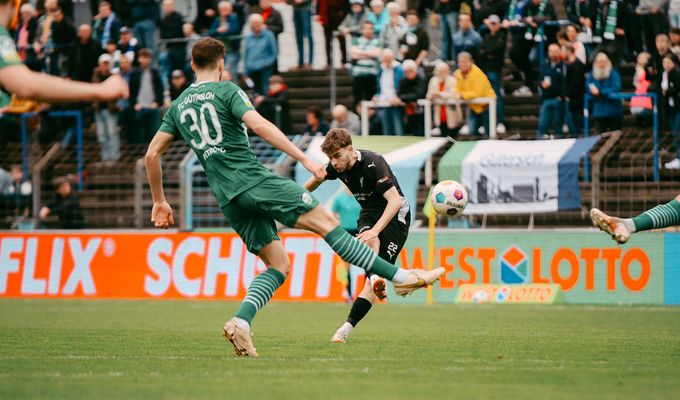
(208, 116)
(8, 50)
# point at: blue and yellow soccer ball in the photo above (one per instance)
(449, 198)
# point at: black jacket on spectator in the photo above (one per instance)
(410, 90)
(489, 7)
(491, 53)
(268, 110)
(68, 210)
(141, 10)
(171, 28)
(63, 35)
(136, 81)
(421, 42)
(673, 92)
(32, 61)
(100, 25)
(576, 85)
(275, 22)
(83, 59)
(202, 21)
(531, 10)
(176, 91)
(557, 74)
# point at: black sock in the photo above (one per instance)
(359, 310)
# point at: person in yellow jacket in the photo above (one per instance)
(472, 83)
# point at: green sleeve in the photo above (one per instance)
(237, 101)
(8, 50)
(168, 125)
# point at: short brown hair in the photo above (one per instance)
(336, 139)
(145, 52)
(207, 52)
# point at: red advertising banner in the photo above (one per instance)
(153, 265)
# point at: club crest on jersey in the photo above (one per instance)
(307, 198)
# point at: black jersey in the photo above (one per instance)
(368, 180)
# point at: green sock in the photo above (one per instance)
(355, 252)
(661, 216)
(260, 291)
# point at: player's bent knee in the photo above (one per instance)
(318, 221)
(374, 244)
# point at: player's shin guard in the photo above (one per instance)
(260, 291)
(355, 252)
(661, 216)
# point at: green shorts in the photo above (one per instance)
(253, 212)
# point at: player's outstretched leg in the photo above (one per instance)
(661, 216)
(260, 291)
(353, 251)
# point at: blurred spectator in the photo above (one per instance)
(274, 22)
(106, 116)
(378, 16)
(80, 11)
(674, 37)
(126, 116)
(274, 105)
(669, 85)
(389, 76)
(576, 87)
(415, 43)
(128, 44)
(226, 27)
(483, 9)
(442, 87)
(412, 88)
(674, 13)
(448, 19)
(569, 36)
(43, 44)
(553, 107)
(466, 39)
(302, 21)
(106, 24)
(534, 14)
(84, 55)
(641, 106)
(354, 20)
(654, 20)
(330, 13)
(145, 13)
(188, 9)
(178, 83)
(63, 36)
(471, 83)
(25, 36)
(15, 192)
(604, 84)
(663, 48)
(65, 205)
(393, 30)
(491, 58)
(171, 30)
(191, 37)
(146, 97)
(364, 54)
(346, 119)
(316, 126)
(207, 9)
(259, 54)
(609, 20)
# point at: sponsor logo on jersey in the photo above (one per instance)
(307, 198)
(383, 179)
(190, 98)
(211, 151)
(371, 165)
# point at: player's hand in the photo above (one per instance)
(161, 215)
(114, 88)
(318, 170)
(365, 236)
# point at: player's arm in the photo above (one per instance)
(313, 183)
(272, 135)
(23, 82)
(391, 209)
(161, 215)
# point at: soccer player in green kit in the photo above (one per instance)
(16, 78)
(213, 117)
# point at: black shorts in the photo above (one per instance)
(392, 238)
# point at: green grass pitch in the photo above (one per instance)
(173, 350)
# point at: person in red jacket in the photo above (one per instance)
(330, 13)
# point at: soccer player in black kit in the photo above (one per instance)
(385, 214)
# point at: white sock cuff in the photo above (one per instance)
(401, 276)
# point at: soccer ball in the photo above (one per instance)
(449, 198)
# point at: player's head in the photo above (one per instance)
(337, 145)
(208, 55)
(63, 186)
